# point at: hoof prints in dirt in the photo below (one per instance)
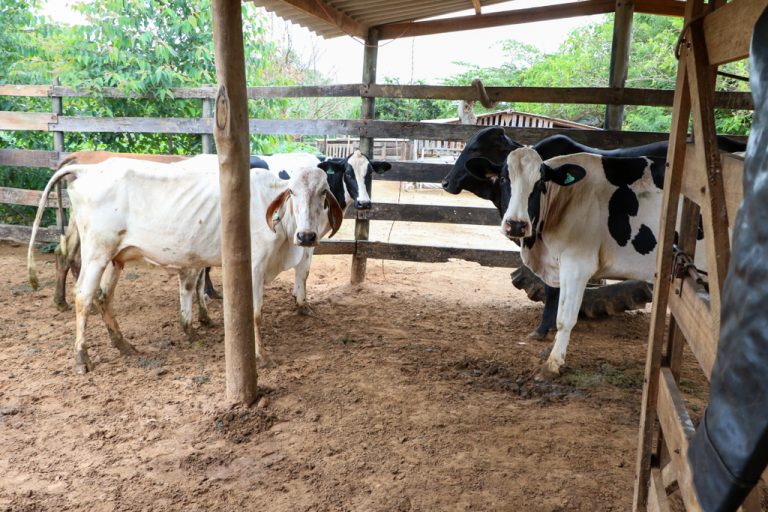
(239, 425)
(499, 376)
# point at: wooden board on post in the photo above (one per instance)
(232, 142)
(367, 111)
(622, 37)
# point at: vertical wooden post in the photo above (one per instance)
(58, 146)
(207, 138)
(367, 111)
(232, 143)
(622, 38)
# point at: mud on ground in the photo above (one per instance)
(410, 392)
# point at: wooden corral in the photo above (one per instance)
(711, 184)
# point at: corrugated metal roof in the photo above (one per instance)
(366, 13)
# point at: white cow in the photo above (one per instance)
(579, 216)
(169, 216)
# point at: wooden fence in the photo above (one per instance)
(58, 124)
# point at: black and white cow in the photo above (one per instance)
(578, 216)
(493, 144)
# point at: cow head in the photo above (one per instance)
(355, 174)
(489, 143)
(523, 180)
(315, 209)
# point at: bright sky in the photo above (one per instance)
(427, 58)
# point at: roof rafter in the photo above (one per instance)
(323, 10)
(518, 16)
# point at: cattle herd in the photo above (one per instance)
(577, 213)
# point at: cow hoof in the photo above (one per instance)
(126, 349)
(213, 295)
(83, 363)
(206, 321)
(62, 306)
(547, 373)
(536, 335)
(306, 310)
(267, 363)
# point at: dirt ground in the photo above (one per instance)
(410, 392)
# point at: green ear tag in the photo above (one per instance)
(330, 171)
(276, 216)
(569, 179)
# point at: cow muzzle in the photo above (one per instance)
(514, 228)
(307, 238)
(362, 205)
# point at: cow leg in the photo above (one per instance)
(112, 274)
(202, 307)
(187, 290)
(574, 276)
(60, 291)
(300, 284)
(549, 316)
(87, 284)
(258, 302)
(210, 291)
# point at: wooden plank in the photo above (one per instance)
(38, 121)
(497, 19)
(132, 124)
(21, 234)
(728, 30)
(403, 170)
(26, 197)
(622, 37)
(25, 90)
(657, 496)
(733, 184)
(430, 254)
(327, 247)
(672, 185)
(562, 95)
(678, 429)
(694, 319)
(660, 7)
(28, 158)
(429, 213)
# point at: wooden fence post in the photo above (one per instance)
(232, 143)
(207, 138)
(58, 146)
(367, 112)
(622, 39)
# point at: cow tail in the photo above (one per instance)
(31, 269)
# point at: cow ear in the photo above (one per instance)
(565, 175)
(335, 213)
(482, 168)
(380, 166)
(329, 166)
(273, 210)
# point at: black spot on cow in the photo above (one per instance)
(658, 170)
(644, 242)
(623, 171)
(284, 175)
(622, 205)
(257, 163)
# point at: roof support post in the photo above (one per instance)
(230, 129)
(367, 112)
(622, 37)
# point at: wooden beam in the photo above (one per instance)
(33, 121)
(513, 17)
(25, 90)
(622, 37)
(323, 10)
(427, 254)
(728, 30)
(21, 234)
(232, 143)
(477, 6)
(660, 7)
(367, 112)
(25, 197)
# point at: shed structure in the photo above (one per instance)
(713, 35)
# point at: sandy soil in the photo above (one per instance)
(410, 392)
